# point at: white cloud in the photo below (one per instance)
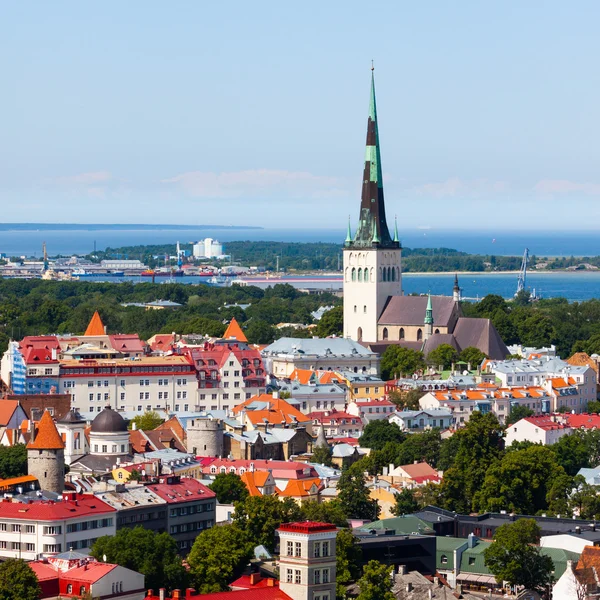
(92, 178)
(564, 186)
(257, 182)
(455, 186)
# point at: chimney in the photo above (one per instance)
(177, 595)
(161, 594)
(149, 593)
(401, 569)
(190, 592)
(53, 353)
(133, 426)
(270, 582)
(578, 530)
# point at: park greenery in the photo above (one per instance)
(18, 581)
(13, 461)
(146, 422)
(229, 488)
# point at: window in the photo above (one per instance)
(69, 588)
(122, 383)
(325, 575)
(91, 397)
(365, 309)
(444, 559)
(290, 548)
(325, 548)
(30, 547)
(471, 560)
(29, 528)
(298, 549)
(317, 550)
(298, 578)
(104, 448)
(290, 576)
(317, 576)
(122, 395)
(90, 384)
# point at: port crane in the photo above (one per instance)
(522, 277)
(179, 258)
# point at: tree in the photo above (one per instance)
(354, 494)
(407, 400)
(325, 512)
(150, 553)
(376, 582)
(260, 332)
(405, 503)
(584, 500)
(331, 323)
(573, 452)
(379, 432)
(520, 481)
(518, 412)
(480, 443)
(147, 422)
(593, 407)
(260, 516)
(444, 355)
(397, 361)
(473, 356)
(348, 555)
(18, 581)
(514, 558)
(322, 456)
(448, 449)
(490, 304)
(218, 556)
(13, 461)
(229, 488)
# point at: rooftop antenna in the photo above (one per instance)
(372, 65)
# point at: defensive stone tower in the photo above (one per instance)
(46, 455)
(205, 437)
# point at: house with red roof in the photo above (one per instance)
(73, 575)
(538, 429)
(41, 527)
(337, 423)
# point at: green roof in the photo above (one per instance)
(559, 558)
(404, 525)
(446, 546)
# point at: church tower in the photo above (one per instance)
(372, 267)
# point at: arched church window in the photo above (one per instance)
(359, 334)
(385, 333)
(390, 274)
(397, 273)
(437, 331)
(372, 274)
(401, 333)
(419, 335)
(353, 274)
(346, 275)
(359, 274)
(384, 273)
(393, 274)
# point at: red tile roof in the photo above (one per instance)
(46, 435)
(7, 410)
(583, 421)
(545, 422)
(279, 411)
(79, 505)
(89, 573)
(307, 527)
(127, 343)
(184, 490)
(260, 593)
(95, 326)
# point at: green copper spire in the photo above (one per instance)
(376, 239)
(349, 233)
(429, 312)
(396, 230)
(372, 225)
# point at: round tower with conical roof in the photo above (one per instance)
(46, 455)
(205, 436)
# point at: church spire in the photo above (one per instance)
(372, 222)
(348, 234)
(429, 312)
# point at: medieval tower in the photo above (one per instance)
(46, 455)
(205, 437)
(372, 258)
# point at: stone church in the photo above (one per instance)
(376, 312)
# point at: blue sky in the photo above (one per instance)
(255, 112)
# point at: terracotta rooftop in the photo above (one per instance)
(95, 326)
(307, 527)
(234, 332)
(46, 435)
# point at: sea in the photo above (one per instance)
(575, 286)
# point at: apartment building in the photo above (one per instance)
(136, 384)
(33, 527)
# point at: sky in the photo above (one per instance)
(238, 112)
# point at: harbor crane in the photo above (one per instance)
(522, 277)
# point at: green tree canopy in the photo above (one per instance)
(397, 361)
(150, 553)
(514, 557)
(331, 323)
(229, 488)
(218, 557)
(325, 512)
(376, 582)
(147, 422)
(18, 581)
(260, 516)
(406, 502)
(444, 355)
(518, 412)
(260, 332)
(472, 355)
(348, 556)
(322, 456)
(354, 495)
(13, 461)
(379, 432)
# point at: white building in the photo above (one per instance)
(538, 430)
(371, 410)
(41, 527)
(315, 397)
(422, 419)
(285, 355)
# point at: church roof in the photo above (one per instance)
(95, 327)
(437, 339)
(410, 310)
(481, 334)
(234, 332)
(46, 436)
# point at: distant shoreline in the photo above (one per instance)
(115, 227)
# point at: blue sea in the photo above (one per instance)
(497, 242)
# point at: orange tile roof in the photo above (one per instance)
(588, 565)
(279, 411)
(298, 488)
(582, 359)
(253, 480)
(234, 332)
(46, 435)
(7, 409)
(95, 327)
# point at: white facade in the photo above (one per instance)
(422, 419)
(365, 291)
(121, 583)
(565, 541)
(526, 431)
